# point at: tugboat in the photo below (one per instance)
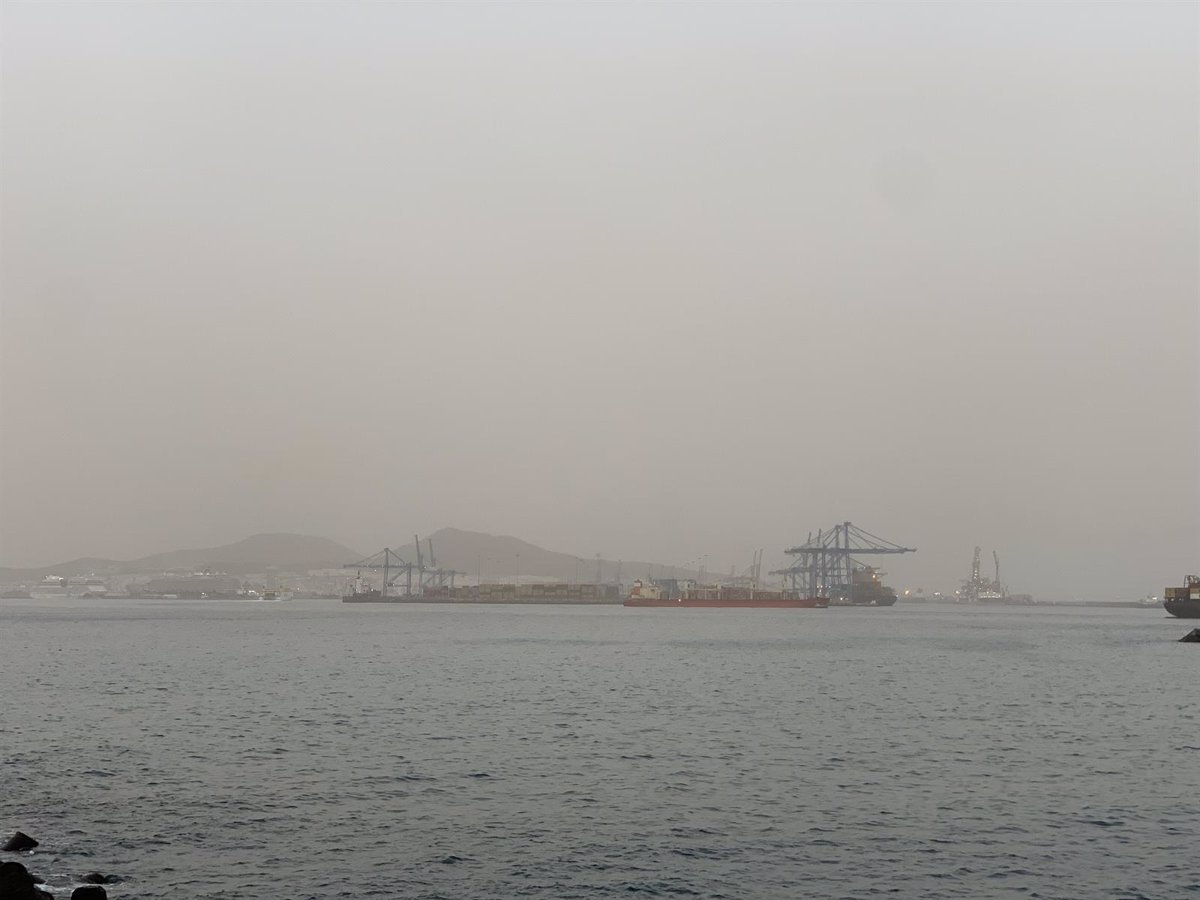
(1184, 602)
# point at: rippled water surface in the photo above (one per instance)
(312, 749)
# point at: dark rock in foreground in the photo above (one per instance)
(98, 878)
(89, 892)
(19, 841)
(17, 884)
(1192, 637)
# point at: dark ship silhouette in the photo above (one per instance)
(1184, 602)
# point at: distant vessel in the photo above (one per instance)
(361, 592)
(52, 587)
(865, 589)
(87, 587)
(919, 596)
(719, 597)
(499, 593)
(55, 587)
(433, 584)
(1184, 602)
(826, 566)
(205, 585)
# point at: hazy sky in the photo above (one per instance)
(648, 280)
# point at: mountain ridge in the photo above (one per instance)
(499, 557)
(477, 554)
(251, 554)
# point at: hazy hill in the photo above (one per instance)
(257, 553)
(495, 557)
(501, 557)
(85, 565)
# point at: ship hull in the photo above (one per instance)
(764, 603)
(370, 597)
(1185, 608)
(484, 601)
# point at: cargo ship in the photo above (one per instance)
(534, 593)
(718, 597)
(54, 587)
(361, 592)
(865, 589)
(1184, 602)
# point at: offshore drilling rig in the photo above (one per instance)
(978, 589)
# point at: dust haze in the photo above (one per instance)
(654, 281)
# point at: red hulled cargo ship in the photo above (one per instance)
(650, 594)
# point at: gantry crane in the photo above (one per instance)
(825, 563)
(389, 561)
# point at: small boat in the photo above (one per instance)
(1184, 602)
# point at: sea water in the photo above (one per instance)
(313, 749)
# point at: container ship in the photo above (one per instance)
(865, 589)
(362, 592)
(54, 587)
(534, 593)
(718, 597)
(1184, 602)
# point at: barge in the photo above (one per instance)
(649, 594)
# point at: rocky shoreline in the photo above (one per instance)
(18, 883)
